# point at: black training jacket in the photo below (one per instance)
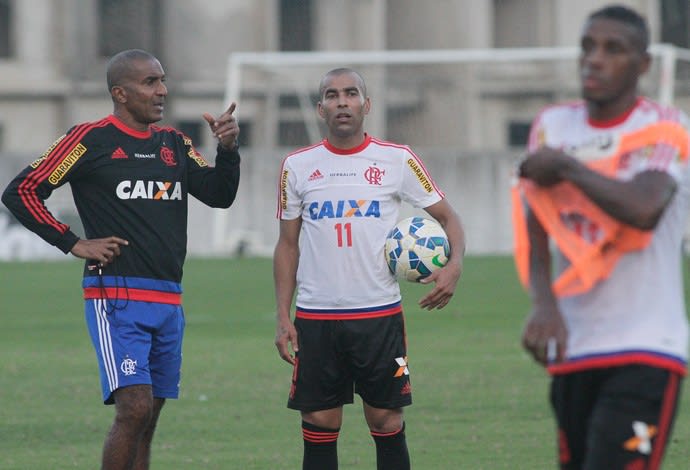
(126, 183)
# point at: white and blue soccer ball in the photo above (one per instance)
(415, 248)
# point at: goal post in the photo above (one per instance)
(463, 110)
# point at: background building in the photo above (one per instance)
(468, 118)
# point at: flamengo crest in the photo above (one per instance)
(128, 366)
(168, 156)
(373, 175)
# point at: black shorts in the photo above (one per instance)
(337, 357)
(614, 418)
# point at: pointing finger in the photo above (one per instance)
(209, 118)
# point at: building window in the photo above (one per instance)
(6, 40)
(292, 134)
(246, 131)
(196, 131)
(292, 100)
(191, 129)
(295, 25)
(128, 24)
(518, 133)
(293, 123)
(675, 22)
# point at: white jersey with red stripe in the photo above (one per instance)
(638, 314)
(348, 201)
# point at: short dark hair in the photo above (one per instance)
(119, 66)
(627, 16)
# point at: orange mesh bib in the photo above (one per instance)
(590, 262)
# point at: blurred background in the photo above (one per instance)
(457, 80)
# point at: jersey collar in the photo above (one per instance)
(615, 121)
(353, 150)
(128, 130)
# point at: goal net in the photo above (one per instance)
(466, 113)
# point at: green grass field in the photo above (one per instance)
(479, 402)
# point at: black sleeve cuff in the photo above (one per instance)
(230, 155)
(67, 242)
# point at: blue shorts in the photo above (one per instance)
(138, 343)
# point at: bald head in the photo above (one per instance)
(326, 80)
(120, 66)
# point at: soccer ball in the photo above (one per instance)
(415, 248)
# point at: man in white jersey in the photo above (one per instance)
(613, 335)
(337, 201)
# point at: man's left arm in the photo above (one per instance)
(446, 278)
(638, 202)
(217, 186)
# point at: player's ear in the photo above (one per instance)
(367, 105)
(645, 62)
(319, 109)
(119, 94)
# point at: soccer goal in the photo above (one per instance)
(465, 112)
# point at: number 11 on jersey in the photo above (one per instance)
(347, 228)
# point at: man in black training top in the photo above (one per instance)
(130, 181)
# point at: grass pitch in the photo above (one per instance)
(479, 402)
